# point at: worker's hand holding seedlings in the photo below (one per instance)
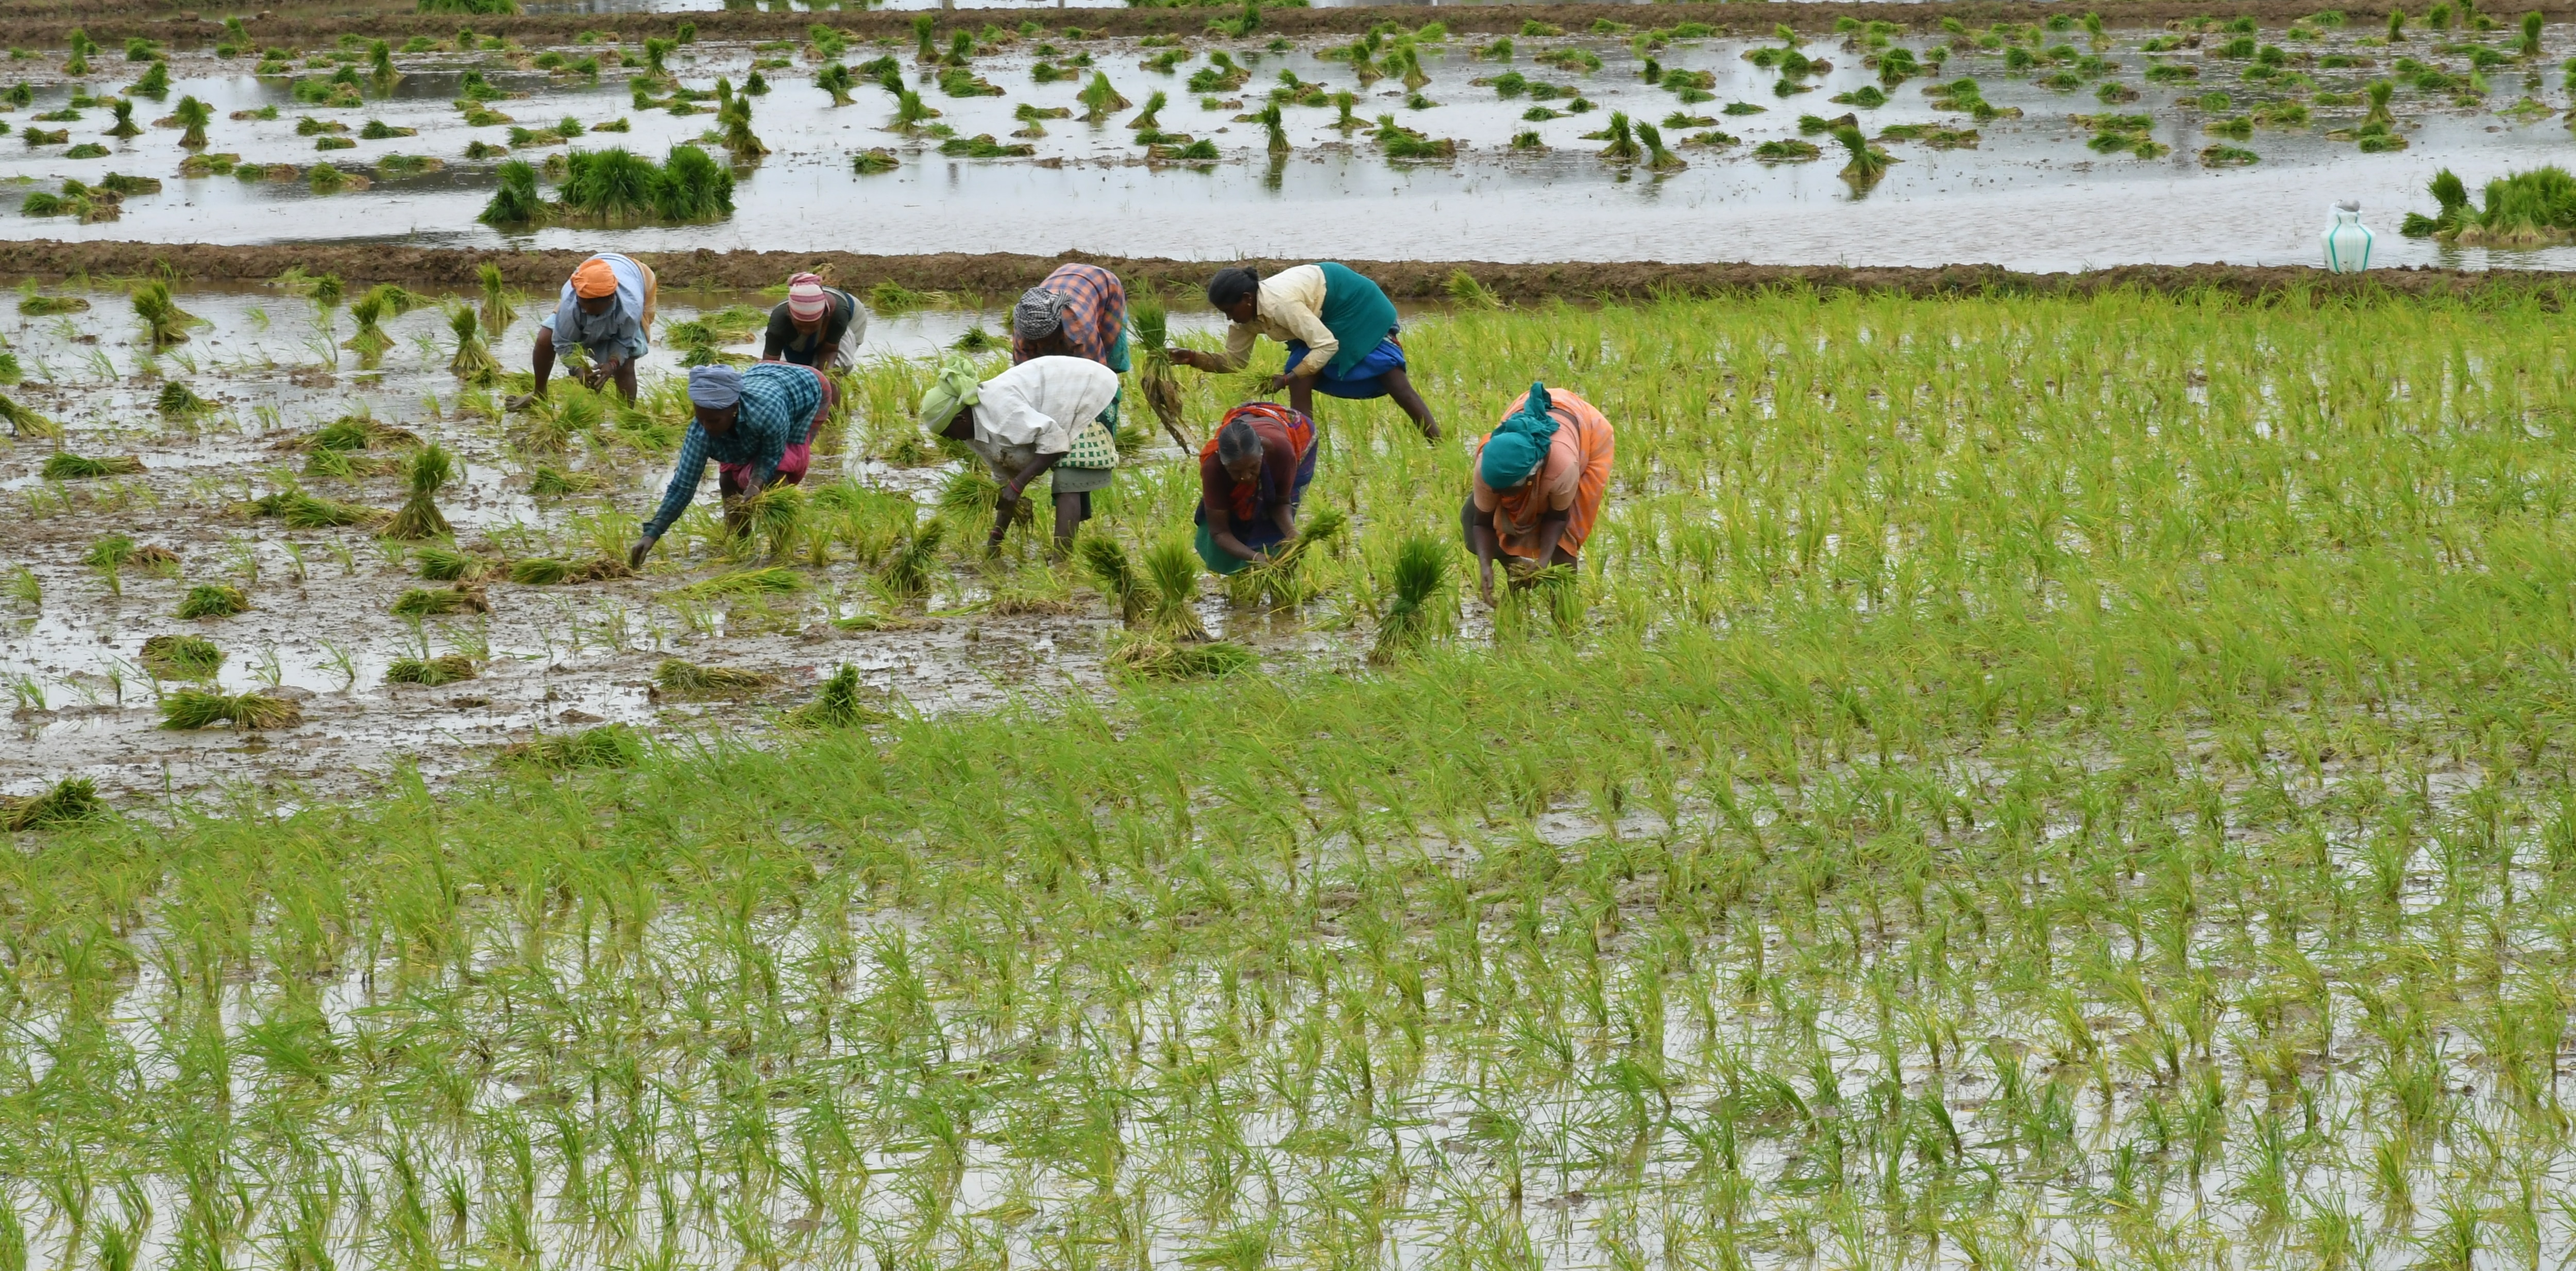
(1252, 475)
(1541, 475)
(606, 311)
(1340, 330)
(757, 423)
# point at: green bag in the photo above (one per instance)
(1093, 447)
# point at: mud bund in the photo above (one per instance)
(1002, 275)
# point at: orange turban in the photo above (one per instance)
(594, 279)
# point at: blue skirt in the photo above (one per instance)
(1366, 379)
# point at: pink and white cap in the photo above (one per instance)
(805, 301)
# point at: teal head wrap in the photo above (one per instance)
(1519, 443)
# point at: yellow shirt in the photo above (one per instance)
(1288, 306)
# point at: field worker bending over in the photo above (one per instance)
(1339, 327)
(1079, 311)
(1252, 475)
(607, 310)
(1042, 416)
(1540, 478)
(757, 423)
(815, 326)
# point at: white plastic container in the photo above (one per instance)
(2347, 240)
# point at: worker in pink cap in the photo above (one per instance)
(818, 326)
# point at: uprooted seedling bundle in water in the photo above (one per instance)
(118, 551)
(840, 703)
(302, 511)
(419, 517)
(1288, 578)
(430, 602)
(213, 600)
(25, 423)
(177, 401)
(191, 708)
(63, 465)
(546, 571)
(1116, 576)
(182, 657)
(443, 563)
(1171, 642)
(1151, 319)
(904, 578)
(607, 746)
(473, 362)
(431, 672)
(163, 320)
(688, 679)
(70, 801)
(2524, 209)
(1420, 608)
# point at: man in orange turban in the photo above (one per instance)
(607, 310)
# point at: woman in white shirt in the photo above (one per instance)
(1030, 420)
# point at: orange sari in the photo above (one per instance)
(1581, 453)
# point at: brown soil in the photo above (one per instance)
(48, 23)
(995, 276)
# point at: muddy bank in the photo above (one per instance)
(398, 22)
(1004, 275)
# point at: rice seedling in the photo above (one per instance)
(444, 563)
(429, 471)
(774, 580)
(688, 679)
(473, 362)
(68, 802)
(1288, 579)
(497, 309)
(840, 703)
(608, 746)
(178, 401)
(63, 465)
(2524, 209)
(836, 80)
(1421, 607)
(124, 126)
(194, 708)
(24, 422)
(430, 672)
(369, 342)
(546, 571)
(1658, 159)
(303, 511)
(431, 602)
(165, 323)
(1867, 164)
(1100, 99)
(904, 578)
(182, 657)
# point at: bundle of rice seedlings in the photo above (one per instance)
(836, 79)
(1658, 159)
(71, 801)
(838, 705)
(182, 657)
(444, 563)
(66, 466)
(905, 576)
(1400, 142)
(874, 160)
(419, 518)
(370, 341)
(430, 602)
(177, 401)
(692, 680)
(163, 319)
(124, 126)
(1467, 293)
(546, 571)
(1868, 163)
(1623, 146)
(552, 482)
(1116, 577)
(1415, 616)
(1150, 118)
(970, 493)
(304, 511)
(1555, 589)
(1149, 657)
(1284, 579)
(775, 580)
(607, 746)
(772, 517)
(1099, 98)
(213, 600)
(473, 362)
(610, 184)
(1171, 571)
(25, 423)
(739, 141)
(497, 311)
(1151, 320)
(515, 201)
(116, 551)
(431, 672)
(355, 432)
(1275, 129)
(692, 187)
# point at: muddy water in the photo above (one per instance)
(320, 630)
(2030, 196)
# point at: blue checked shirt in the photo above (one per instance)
(778, 405)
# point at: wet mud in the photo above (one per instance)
(1426, 280)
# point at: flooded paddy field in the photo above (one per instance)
(2047, 782)
(2198, 143)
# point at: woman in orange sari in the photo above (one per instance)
(1540, 478)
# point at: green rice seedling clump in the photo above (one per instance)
(428, 602)
(213, 600)
(182, 657)
(68, 802)
(193, 708)
(430, 672)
